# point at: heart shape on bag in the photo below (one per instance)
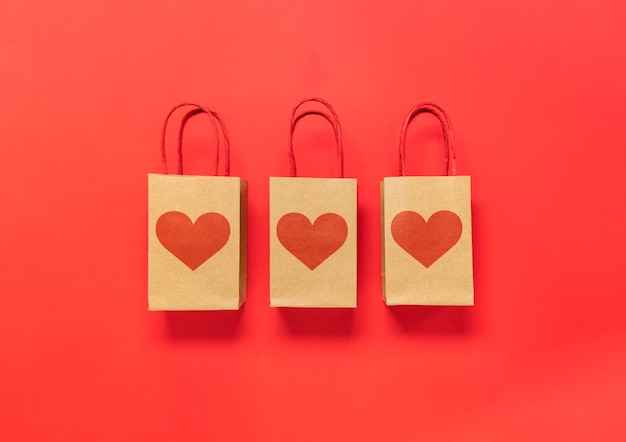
(426, 241)
(193, 243)
(312, 243)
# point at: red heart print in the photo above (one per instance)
(192, 243)
(426, 241)
(312, 243)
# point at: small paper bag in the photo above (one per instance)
(427, 231)
(313, 233)
(196, 235)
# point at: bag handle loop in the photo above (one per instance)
(213, 117)
(448, 137)
(332, 119)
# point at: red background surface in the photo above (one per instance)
(536, 94)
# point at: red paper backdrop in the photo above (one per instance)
(536, 92)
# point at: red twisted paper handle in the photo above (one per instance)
(448, 137)
(332, 119)
(213, 117)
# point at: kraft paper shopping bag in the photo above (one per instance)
(196, 232)
(313, 231)
(427, 230)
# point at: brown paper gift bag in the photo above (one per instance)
(427, 230)
(313, 232)
(196, 233)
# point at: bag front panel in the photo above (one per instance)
(204, 210)
(427, 241)
(301, 273)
